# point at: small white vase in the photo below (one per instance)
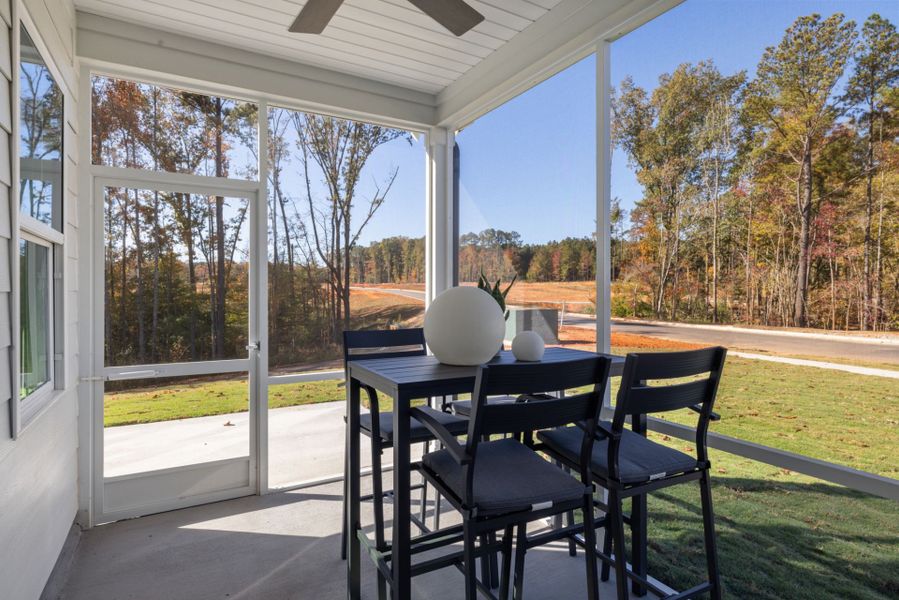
(528, 346)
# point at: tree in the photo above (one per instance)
(223, 119)
(339, 149)
(718, 142)
(876, 71)
(659, 132)
(791, 99)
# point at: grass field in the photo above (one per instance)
(830, 415)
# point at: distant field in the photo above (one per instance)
(530, 293)
(371, 309)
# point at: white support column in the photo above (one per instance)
(439, 213)
(259, 311)
(90, 392)
(603, 198)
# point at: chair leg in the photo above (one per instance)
(489, 565)
(590, 550)
(708, 525)
(572, 546)
(382, 587)
(569, 516)
(468, 557)
(507, 563)
(494, 564)
(377, 485)
(485, 561)
(520, 551)
(343, 528)
(424, 491)
(605, 568)
(616, 519)
(638, 542)
(438, 506)
(606, 549)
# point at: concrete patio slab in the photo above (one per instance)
(305, 443)
(283, 546)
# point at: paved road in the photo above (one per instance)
(770, 343)
(754, 341)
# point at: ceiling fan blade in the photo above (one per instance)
(455, 15)
(314, 16)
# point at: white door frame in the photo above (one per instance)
(143, 493)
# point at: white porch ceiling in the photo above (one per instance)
(383, 40)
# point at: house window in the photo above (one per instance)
(41, 126)
(36, 319)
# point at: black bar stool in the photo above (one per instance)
(378, 426)
(628, 464)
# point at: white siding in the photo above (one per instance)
(38, 471)
(6, 387)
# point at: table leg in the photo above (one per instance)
(354, 567)
(401, 563)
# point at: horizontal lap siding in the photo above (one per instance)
(6, 385)
(39, 470)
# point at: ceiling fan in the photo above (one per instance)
(455, 15)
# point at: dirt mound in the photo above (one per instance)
(585, 339)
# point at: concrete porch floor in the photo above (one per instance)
(305, 443)
(280, 546)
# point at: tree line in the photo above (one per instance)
(498, 253)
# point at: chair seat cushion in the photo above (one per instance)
(417, 431)
(508, 477)
(639, 459)
(463, 407)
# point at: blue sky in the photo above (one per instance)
(529, 166)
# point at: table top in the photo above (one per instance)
(426, 375)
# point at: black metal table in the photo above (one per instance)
(407, 379)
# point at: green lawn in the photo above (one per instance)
(781, 535)
(203, 398)
(830, 415)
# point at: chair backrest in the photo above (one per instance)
(530, 415)
(636, 397)
(382, 343)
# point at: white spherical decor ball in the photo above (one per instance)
(464, 326)
(528, 345)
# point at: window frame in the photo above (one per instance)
(33, 402)
(25, 227)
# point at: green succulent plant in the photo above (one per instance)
(494, 290)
